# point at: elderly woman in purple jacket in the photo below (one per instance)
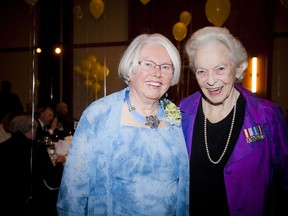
(237, 142)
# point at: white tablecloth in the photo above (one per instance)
(62, 147)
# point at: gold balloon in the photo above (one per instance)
(96, 8)
(85, 74)
(102, 72)
(95, 87)
(95, 67)
(88, 83)
(217, 11)
(85, 64)
(144, 2)
(77, 69)
(92, 58)
(185, 17)
(179, 31)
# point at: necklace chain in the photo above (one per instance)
(152, 121)
(228, 139)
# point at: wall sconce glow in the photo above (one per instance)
(38, 50)
(254, 74)
(57, 50)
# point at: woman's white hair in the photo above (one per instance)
(130, 60)
(207, 35)
(22, 124)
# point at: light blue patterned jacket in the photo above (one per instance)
(92, 182)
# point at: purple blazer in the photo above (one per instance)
(251, 166)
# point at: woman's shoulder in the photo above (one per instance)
(189, 103)
(191, 97)
(106, 102)
(261, 108)
(103, 107)
(257, 103)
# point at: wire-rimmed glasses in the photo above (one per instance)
(150, 66)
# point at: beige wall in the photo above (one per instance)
(16, 31)
(112, 26)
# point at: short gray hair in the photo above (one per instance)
(207, 35)
(22, 124)
(130, 59)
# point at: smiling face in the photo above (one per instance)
(215, 73)
(149, 86)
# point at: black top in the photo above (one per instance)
(67, 122)
(10, 103)
(207, 188)
(18, 182)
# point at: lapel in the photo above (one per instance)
(242, 147)
(189, 108)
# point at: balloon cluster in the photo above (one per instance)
(179, 29)
(217, 11)
(92, 70)
(96, 8)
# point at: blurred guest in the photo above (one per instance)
(5, 127)
(128, 154)
(4, 135)
(65, 121)
(9, 101)
(47, 124)
(29, 181)
(237, 142)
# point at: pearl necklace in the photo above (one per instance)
(228, 139)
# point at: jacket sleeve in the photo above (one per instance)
(83, 189)
(74, 190)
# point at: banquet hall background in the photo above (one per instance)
(92, 34)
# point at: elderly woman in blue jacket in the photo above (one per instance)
(128, 154)
(236, 141)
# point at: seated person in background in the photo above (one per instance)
(29, 181)
(65, 121)
(47, 124)
(5, 127)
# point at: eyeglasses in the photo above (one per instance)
(150, 66)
